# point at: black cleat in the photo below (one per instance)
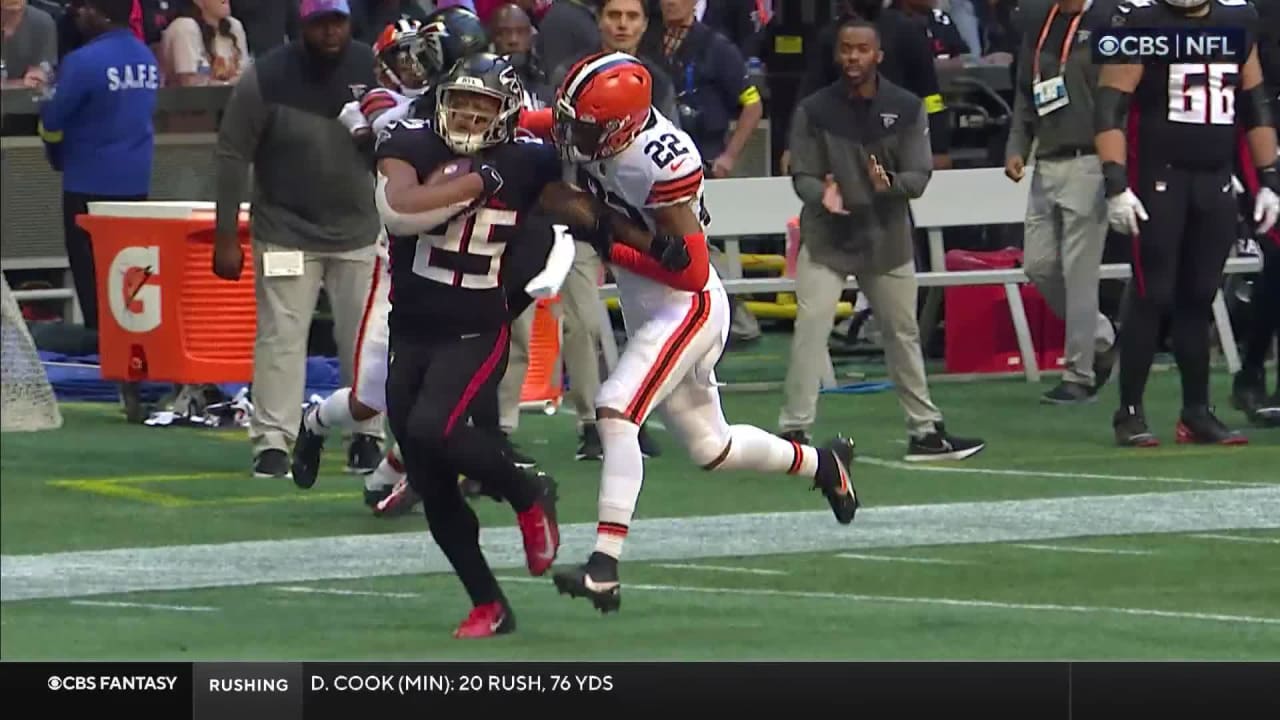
(597, 581)
(1249, 395)
(834, 479)
(1131, 428)
(1200, 426)
(518, 458)
(363, 454)
(306, 453)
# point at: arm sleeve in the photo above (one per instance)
(1022, 130)
(73, 90)
(921, 78)
(809, 166)
(916, 162)
(243, 124)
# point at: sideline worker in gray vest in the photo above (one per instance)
(1066, 226)
(859, 154)
(314, 221)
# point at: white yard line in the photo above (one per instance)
(1082, 550)
(719, 568)
(945, 602)
(145, 606)
(708, 539)
(1238, 538)
(926, 467)
(340, 591)
(885, 558)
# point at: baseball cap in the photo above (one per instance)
(310, 8)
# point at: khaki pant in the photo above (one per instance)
(517, 367)
(1066, 230)
(285, 309)
(892, 296)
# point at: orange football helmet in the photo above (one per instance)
(602, 105)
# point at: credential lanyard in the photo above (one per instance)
(1066, 42)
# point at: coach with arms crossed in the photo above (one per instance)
(314, 220)
(859, 154)
(1066, 226)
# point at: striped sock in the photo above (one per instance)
(621, 476)
(751, 448)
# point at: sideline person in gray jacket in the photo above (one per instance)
(859, 154)
(314, 223)
(1066, 226)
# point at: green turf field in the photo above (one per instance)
(137, 543)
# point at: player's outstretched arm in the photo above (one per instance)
(407, 207)
(586, 216)
(679, 259)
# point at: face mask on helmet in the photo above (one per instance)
(402, 68)
(470, 120)
(578, 141)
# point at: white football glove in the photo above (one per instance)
(1124, 211)
(352, 119)
(547, 283)
(1266, 209)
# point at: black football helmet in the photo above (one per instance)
(449, 35)
(478, 103)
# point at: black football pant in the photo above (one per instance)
(431, 385)
(1264, 323)
(1177, 270)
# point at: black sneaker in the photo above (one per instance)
(271, 463)
(1069, 393)
(1131, 429)
(589, 447)
(596, 580)
(518, 458)
(939, 445)
(363, 454)
(796, 436)
(648, 446)
(835, 478)
(1200, 426)
(1269, 413)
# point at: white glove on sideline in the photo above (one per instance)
(1124, 211)
(351, 117)
(547, 283)
(1266, 209)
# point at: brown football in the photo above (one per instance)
(451, 170)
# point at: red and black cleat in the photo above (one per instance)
(487, 621)
(1200, 426)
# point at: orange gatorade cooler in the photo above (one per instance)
(162, 314)
(543, 386)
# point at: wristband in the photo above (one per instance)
(1115, 178)
(1269, 177)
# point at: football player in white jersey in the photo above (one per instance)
(632, 160)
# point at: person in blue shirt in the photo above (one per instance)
(97, 127)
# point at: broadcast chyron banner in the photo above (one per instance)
(896, 690)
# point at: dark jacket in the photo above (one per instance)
(567, 33)
(1068, 128)
(833, 133)
(312, 187)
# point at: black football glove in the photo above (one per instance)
(491, 177)
(671, 252)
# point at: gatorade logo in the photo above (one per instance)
(132, 292)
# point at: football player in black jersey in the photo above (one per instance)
(1167, 135)
(449, 317)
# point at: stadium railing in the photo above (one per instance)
(954, 198)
